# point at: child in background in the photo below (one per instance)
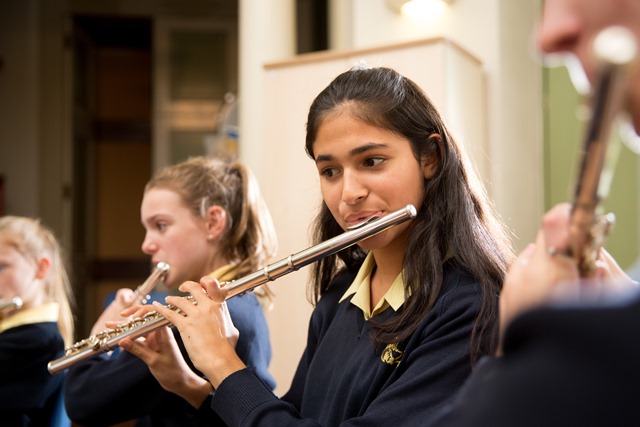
(202, 216)
(37, 331)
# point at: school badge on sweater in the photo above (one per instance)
(391, 354)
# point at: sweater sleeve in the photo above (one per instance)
(243, 399)
(563, 365)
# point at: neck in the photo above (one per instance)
(216, 261)
(389, 263)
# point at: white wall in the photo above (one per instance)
(267, 31)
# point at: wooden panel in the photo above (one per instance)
(123, 85)
(122, 171)
(2, 208)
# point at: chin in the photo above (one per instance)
(373, 243)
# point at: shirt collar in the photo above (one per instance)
(361, 290)
(225, 273)
(44, 313)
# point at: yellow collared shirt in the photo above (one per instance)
(44, 313)
(224, 273)
(361, 291)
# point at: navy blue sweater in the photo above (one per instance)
(342, 379)
(571, 365)
(104, 391)
(28, 393)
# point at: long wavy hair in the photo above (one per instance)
(33, 241)
(249, 240)
(456, 219)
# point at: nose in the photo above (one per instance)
(559, 28)
(148, 247)
(353, 188)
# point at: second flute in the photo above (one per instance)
(153, 320)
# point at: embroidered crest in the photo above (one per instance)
(391, 354)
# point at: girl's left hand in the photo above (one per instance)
(112, 315)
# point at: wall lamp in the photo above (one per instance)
(417, 8)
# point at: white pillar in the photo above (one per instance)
(340, 24)
(267, 33)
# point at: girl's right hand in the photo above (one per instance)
(206, 329)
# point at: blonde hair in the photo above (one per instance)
(250, 237)
(33, 240)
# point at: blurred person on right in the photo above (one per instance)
(569, 353)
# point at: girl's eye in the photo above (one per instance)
(161, 226)
(373, 161)
(328, 172)
(3, 266)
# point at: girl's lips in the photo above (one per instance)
(359, 218)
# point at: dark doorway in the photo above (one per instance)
(312, 25)
(112, 134)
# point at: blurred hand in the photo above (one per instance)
(542, 273)
(113, 313)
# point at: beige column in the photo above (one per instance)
(340, 24)
(267, 33)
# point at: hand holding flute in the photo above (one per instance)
(568, 259)
(160, 351)
(125, 297)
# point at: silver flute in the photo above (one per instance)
(153, 320)
(159, 273)
(616, 51)
(93, 344)
(11, 304)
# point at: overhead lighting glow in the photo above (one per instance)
(418, 8)
(422, 8)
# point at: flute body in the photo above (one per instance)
(153, 320)
(103, 341)
(616, 50)
(12, 304)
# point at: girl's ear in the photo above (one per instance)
(215, 222)
(430, 162)
(42, 268)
